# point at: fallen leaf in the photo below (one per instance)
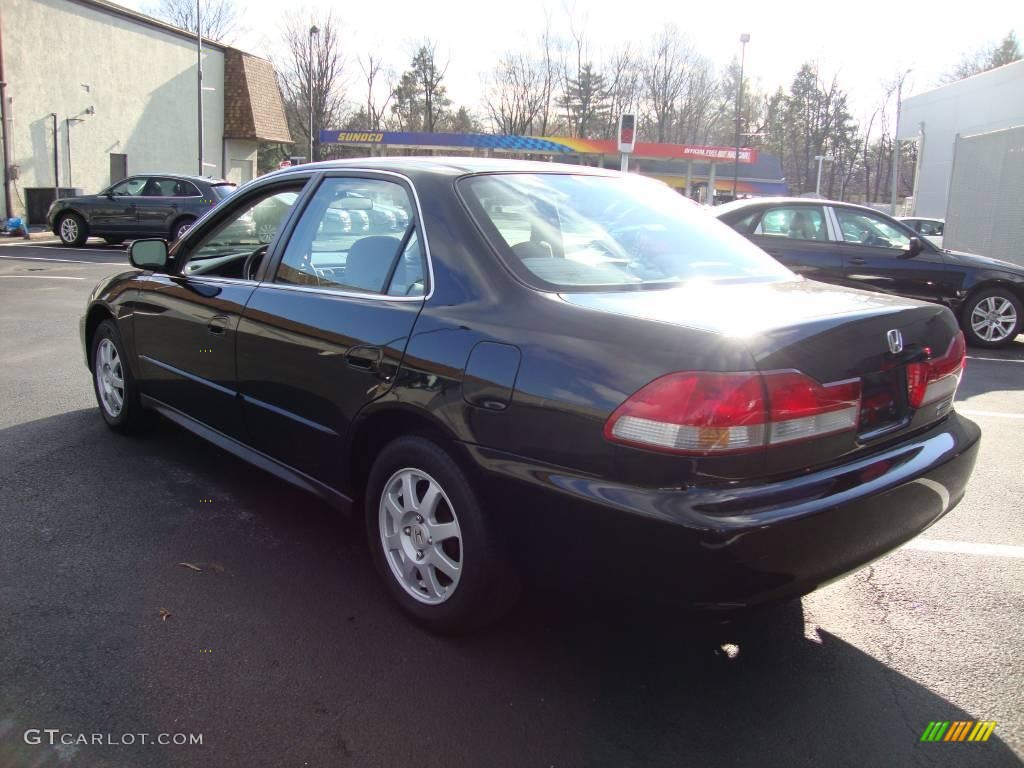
(193, 567)
(164, 613)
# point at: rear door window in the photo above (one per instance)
(798, 222)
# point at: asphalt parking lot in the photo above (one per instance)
(280, 648)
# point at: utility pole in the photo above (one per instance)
(821, 159)
(5, 129)
(313, 30)
(199, 83)
(744, 39)
(56, 167)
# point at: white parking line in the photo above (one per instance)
(996, 414)
(965, 548)
(65, 249)
(65, 261)
(45, 277)
(994, 359)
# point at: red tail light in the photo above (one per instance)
(938, 378)
(700, 413)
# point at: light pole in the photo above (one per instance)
(199, 83)
(314, 30)
(896, 142)
(821, 159)
(744, 39)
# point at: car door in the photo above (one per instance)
(324, 334)
(116, 210)
(186, 319)
(798, 235)
(163, 199)
(875, 250)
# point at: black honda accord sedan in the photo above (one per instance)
(523, 382)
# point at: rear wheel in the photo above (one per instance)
(992, 318)
(181, 226)
(116, 390)
(72, 231)
(430, 542)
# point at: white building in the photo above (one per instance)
(991, 101)
(115, 92)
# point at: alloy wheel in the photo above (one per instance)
(420, 533)
(69, 229)
(109, 378)
(265, 232)
(181, 231)
(993, 318)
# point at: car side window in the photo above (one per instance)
(864, 228)
(356, 235)
(929, 228)
(245, 231)
(129, 187)
(745, 224)
(803, 222)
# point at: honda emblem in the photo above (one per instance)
(895, 339)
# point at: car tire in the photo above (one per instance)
(992, 318)
(72, 230)
(113, 240)
(470, 584)
(119, 402)
(181, 226)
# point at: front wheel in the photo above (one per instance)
(430, 542)
(992, 318)
(116, 390)
(72, 231)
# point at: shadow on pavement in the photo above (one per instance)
(282, 648)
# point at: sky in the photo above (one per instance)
(864, 42)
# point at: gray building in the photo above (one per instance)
(991, 101)
(94, 92)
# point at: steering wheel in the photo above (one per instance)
(252, 262)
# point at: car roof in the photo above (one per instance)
(757, 202)
(184, 176)
(445, 166)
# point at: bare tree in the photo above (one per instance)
(312, 76)
(664, 79)
(515, 95)
(219, 17)
(372, 71)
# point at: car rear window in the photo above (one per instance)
(568, 232)
(220, 191)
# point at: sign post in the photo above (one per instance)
(627, 139)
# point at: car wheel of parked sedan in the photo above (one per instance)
(430, 541)
(265, 232)
(72, 231)
(181, 227)
(992, 318)
(115, 387)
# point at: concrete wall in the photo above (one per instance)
(142, 84)
(239, 160)
(987, 102)
(986, 197)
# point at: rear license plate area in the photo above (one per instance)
(883, 400)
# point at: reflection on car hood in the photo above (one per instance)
(974, 259)
(743, 308)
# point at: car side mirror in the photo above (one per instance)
(148, 254)
(916, 246)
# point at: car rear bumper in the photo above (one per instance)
(728, 547)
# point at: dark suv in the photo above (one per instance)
(147, 205)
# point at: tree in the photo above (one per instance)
(664, 78)
(515, 96)
(372, 71)
(421, 98)
(585, 99)
(219, 17)
(975, 62)
(312, 76)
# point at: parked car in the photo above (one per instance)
(855, 246)
(929, 229)
(697, 424)
(147, 205)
